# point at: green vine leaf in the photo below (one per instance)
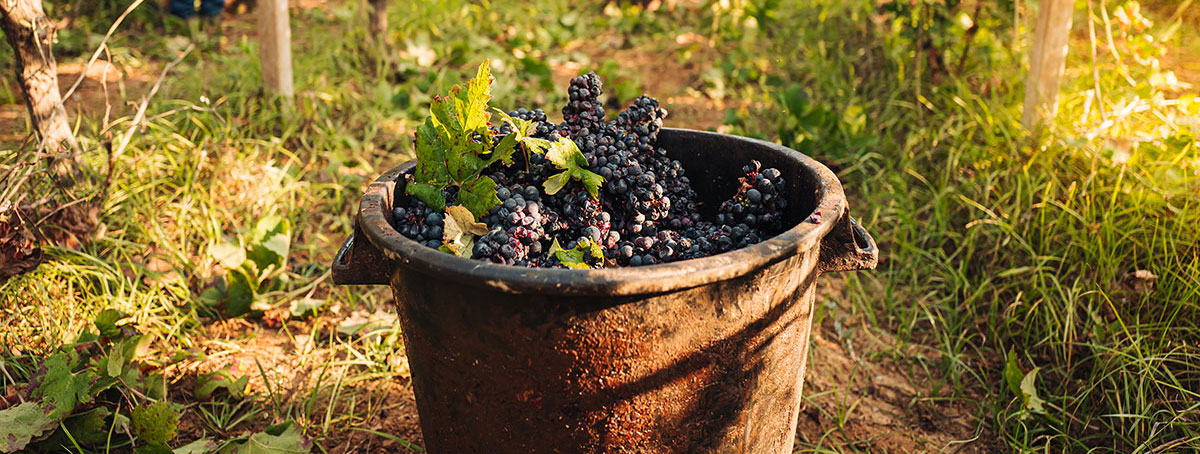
(431, 155)
(454, 146)
(577, 258)
(428, 193)
(479, 196)
(565, 155)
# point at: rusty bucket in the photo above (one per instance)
(697, 356)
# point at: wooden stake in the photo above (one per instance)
(275, 47)
(1046, 60)
(379, 21)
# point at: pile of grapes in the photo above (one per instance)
(646, 212)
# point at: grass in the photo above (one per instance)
(999, 247)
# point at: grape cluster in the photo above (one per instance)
(757, 202)
(518, 224)
(647, 211)
(584, 113)
(418, 222)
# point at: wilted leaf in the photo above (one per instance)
(1141, 281)
(1029, 392)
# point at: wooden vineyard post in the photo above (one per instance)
(275, 47)
(1046, 60)
(379, 21)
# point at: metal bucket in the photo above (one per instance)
(697, 356)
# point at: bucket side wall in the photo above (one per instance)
(715, 368)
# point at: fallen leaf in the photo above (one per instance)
(1141, 281)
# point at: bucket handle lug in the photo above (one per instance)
(848, 247)
(358, 262)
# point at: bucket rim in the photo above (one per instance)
(621, 281)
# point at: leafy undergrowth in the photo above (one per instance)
(1046, 284)
(101, 392)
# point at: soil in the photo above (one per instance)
(859, 376)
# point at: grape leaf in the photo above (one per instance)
(430, 194)
(454, 146)
(22, 423)
(476, 97)
(60, 388)
(479, 196)
(556, 182)
(522, 132)
(284, 438)
(431, 155)
(577, 257)
(155, 424)
(460, 230)
(591, 181)
(565, 155)
(504, 150)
